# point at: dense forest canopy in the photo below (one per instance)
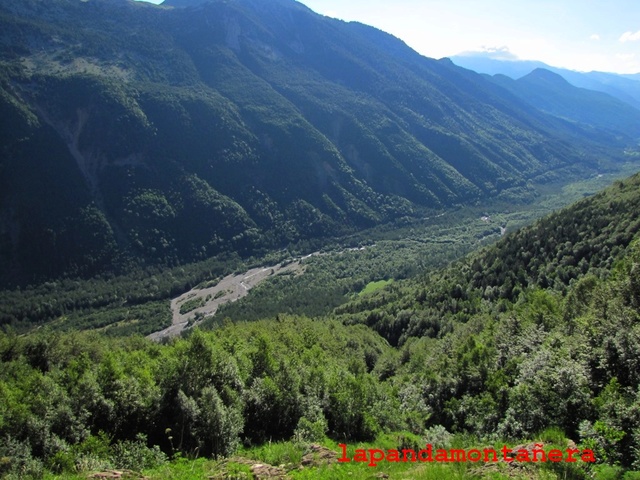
(553, 356)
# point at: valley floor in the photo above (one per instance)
(206, 300)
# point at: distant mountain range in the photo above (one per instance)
(166, 134)
(622, 87)
(551, 93)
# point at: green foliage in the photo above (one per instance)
(602, 439)
(136, 455)
(553, 435)
(115, 402)
(373, 286)
(560, 360)
(133, 303)
(608, 472)
(552, 253)
(438, 436)
(310, 431)
(281, 453)
(17, 461)
(191, 305)
(531, 355)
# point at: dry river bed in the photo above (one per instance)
(229, 289)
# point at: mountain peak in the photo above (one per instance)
(184, 3)
(546, 76)
(197, 3)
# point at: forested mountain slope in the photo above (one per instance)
(536, 338)
(587, 238)
(167, 135)
(541, 329)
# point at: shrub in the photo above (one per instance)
(136, 455)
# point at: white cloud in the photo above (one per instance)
(595, 36)
(630, 37)
(499, 53)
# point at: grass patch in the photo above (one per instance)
(184, 469)
(373, 286)
(279, 453)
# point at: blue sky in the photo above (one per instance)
(581, 35)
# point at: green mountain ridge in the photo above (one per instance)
(168, 135)
(550, 313)
(587, 238)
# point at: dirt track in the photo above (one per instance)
(229, 289)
